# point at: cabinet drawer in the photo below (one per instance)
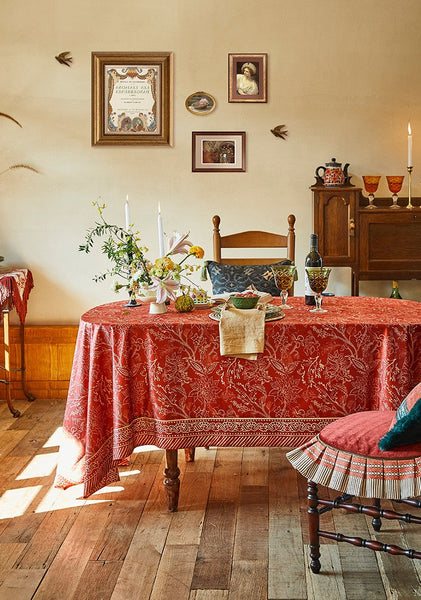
(391, 242)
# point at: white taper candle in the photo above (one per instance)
(160, 233)
(127, 213)
(409, 145)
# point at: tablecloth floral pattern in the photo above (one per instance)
(159, 379)
(15, 287)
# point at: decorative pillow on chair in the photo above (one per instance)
(236, 278)
(406, 424)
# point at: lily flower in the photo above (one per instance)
(178, 243)
(164, 288)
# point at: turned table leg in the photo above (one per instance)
(22, 369)
(171, 481)
(6, 332)
(189, 454)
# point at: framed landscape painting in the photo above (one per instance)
(219, 151)
(132, 98)
(247, 77)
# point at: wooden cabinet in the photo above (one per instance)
(377, 244)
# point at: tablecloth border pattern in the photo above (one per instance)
(101, 468)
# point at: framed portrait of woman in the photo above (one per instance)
(247, 77)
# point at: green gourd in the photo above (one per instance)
(184, 303)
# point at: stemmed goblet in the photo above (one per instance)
(284, 276)
(395, 185)
(371, 183)
(318, 278)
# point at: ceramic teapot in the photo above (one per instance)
(333, 174)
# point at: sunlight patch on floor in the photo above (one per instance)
(54, 439)
(14, 503)
(41, 465)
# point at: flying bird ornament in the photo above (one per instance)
(64, 58)
(280, 131)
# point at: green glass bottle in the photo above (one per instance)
(395, 290)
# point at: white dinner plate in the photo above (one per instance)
(204, 304)
(217, 317)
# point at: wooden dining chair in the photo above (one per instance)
(282, 244)
(372, 455)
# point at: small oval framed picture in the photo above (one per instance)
(200, 103)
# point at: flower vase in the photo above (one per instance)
(157, 308)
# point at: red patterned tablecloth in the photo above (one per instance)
(159, 379)
(15, 287)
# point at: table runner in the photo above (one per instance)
(159, 379)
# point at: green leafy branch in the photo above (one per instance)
(121, 247)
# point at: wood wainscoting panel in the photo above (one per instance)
(49, 353)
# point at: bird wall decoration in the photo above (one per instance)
(64, 58)
(280, 131)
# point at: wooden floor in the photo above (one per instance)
(240, 533)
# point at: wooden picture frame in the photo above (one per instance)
(247, 77)
(200, 103)
(219, 151)
(132, 98)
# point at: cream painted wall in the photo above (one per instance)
(343, 77)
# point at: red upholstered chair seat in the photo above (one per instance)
(345, 457)
(360, 433)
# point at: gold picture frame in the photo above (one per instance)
(132, 98)
(200, 103)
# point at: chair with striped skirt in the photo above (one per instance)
(371, 455)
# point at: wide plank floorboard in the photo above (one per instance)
(240, 533)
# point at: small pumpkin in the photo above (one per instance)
(184, 303)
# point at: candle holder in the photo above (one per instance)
(409, 205)
(132, 301)
(132, 298)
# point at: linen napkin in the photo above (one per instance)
(242, 332)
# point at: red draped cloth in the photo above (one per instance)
(142, 379)
(15, 287)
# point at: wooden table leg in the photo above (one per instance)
(171, 481)
(189, 454)
(22, 369)
(6, 336)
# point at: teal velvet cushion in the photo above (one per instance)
(236, 278)
(406, 424)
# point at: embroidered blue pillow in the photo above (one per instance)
(406, 425)
(236, 278)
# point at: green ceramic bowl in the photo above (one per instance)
(244, 301)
